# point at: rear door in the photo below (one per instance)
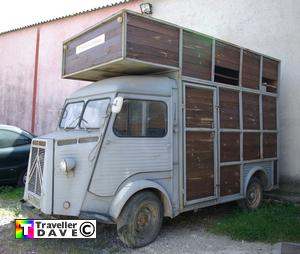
(200, 127)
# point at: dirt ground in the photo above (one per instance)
(187, 233)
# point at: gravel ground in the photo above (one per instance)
(187, 233)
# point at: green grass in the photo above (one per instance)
(270, 223)
(8, 193)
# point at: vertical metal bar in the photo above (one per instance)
(241, 66)
(277, 118)
(35, 80)
(217, 143)
(261, 107)
(124, 35)
(181, 135)
(213, 60)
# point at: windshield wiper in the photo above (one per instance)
(70, 125)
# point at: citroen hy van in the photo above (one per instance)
(174, 121)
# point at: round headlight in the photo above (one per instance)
(67, 165)
(63, 166)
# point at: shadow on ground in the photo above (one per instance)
(107, 239)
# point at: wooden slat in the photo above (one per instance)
(197, 56)
(229, 109)
(199, 165)
(270, 75)
(230, 180)
(269, 145)
(229, 146)
(227, 56)
(152, 41)
(199, 107)
(269, 112)
(111, 49)
(250, 70)
(250, 111)
(251, 146)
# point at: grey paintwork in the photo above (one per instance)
(110, 169)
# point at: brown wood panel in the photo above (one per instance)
(250, 111)
(270, 75)
(250, 70)
(227, 56)
(199, 165)
(230, 180)
(197, 56)
(251, 146)
(109, 50)
(199, 107)
(229, 109)
(229, 146)
(269, 112)
(152, 41)
(269, 145)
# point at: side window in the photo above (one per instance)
(142, 119)
(12, 139)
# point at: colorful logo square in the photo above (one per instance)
(24, 228)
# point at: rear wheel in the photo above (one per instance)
(140, 220)
(254, 195)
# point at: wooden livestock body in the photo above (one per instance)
(228, 94)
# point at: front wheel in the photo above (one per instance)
(140, 220)
(22, 178)
(254, 195)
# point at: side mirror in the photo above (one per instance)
(117, 105)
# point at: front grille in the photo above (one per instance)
(36, 168)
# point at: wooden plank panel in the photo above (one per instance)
(270, 75)
(229, 109)
(269, 145)
(269, 113)
(229, 146)
(250, 70)
(199, 165)
(109, 50)
(250, 111)
(197, 56)
(227, 56)
(251, 146)
(199, 107)
(230, 180)
(152, 41)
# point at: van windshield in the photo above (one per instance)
(86, 115)
(71, 115)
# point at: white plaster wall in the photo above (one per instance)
(270, 27)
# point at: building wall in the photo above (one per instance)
(17, 61)
(270, 27)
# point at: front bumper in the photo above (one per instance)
(36, 214)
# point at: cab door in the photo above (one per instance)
(200, 139)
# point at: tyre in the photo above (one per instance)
(22, 178)
(140, 220)
(254, 195)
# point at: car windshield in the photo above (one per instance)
(71, 115)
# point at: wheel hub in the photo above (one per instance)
(143, 218)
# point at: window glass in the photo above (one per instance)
(141, 119)
(11, 139)
(94, 114)
(71, 115)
